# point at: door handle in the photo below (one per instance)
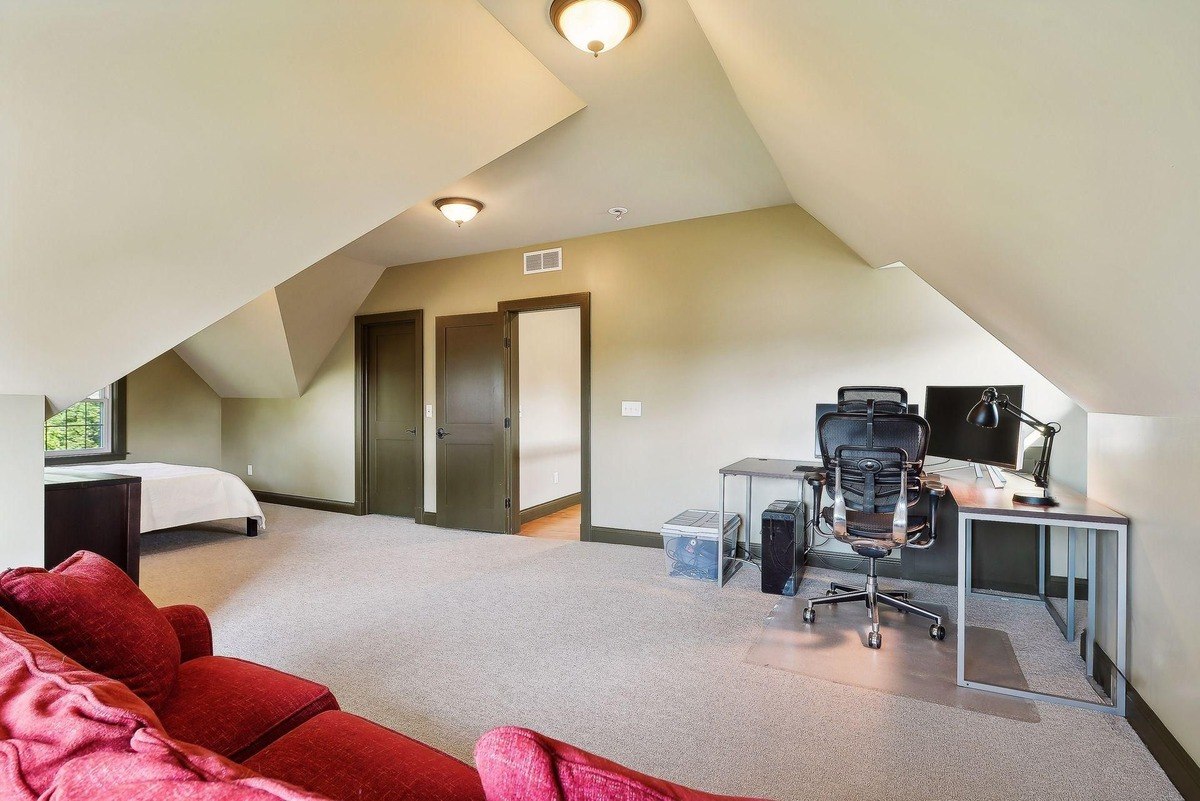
(411, 430)
(442, 433)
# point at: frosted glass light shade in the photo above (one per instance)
(595, 26)
(458, 210)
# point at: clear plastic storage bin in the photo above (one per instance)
(691, 545)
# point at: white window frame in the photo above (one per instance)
(106, 429)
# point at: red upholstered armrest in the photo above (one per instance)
(192, 628)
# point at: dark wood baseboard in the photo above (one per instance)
(428, 518)
(550, 507)
(1170, 754)
(625, 536)
(320, 504)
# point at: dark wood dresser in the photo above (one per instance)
(99, 512)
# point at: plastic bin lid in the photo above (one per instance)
(699, 523)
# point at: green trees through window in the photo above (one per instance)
(81, 427)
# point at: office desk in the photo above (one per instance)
(979, 500)
(751, 468)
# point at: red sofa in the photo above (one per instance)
(105, 696)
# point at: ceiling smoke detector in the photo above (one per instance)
(619, 212)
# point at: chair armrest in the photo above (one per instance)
(935, 487)
(192, 628)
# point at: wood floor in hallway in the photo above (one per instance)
(563, 525)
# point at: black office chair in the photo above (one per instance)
(876, 461)
(887, 400)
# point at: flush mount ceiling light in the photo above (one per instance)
(595, 26)
(458, 210)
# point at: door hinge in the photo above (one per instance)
(508, 422)
(507, 342)
(508, 503)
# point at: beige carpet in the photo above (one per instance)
(445, 634)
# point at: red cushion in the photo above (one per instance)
(7, 621)
(154, 767)
(193, 629)
(53, 710)
(235, 707)
(350, 759)
(522, 765)
(91, 611)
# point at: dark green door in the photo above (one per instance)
(470, 422)
(393, 417)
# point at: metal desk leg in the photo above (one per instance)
(970, 562)
(746, 522)
(1090, 634)
(721, 536)
(964, 571)
(1122, 617)
(1042, 562)
(1070, 632)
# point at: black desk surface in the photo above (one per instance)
(770, 468)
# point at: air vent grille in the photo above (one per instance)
(543, 261)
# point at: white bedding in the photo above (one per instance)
(178, 495)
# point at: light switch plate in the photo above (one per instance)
(631, 408)
(429, 410)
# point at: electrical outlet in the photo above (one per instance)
(249, 469)
(631, 408)
(555, 476)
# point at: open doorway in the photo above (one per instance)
(549, 437)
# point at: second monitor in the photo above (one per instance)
(953, 437)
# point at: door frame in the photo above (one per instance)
(362, 322)
(510, 309)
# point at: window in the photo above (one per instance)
(90, 430)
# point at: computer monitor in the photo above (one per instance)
(826, 408)
(952, 437)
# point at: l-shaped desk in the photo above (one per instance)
(977, 499)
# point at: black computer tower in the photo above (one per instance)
(782, 543)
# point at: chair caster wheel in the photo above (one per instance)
(874, 640)
(810, 615)
(830, 592)
(937, 632)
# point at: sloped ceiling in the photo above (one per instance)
(663, 135)
(317, 305)
(163, 164)
(244, 355)
(273, 346)
(1037, 163)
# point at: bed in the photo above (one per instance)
(180, 495)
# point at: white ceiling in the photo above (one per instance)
(273, 346)
(244, 355)
(163, 164)
(662, 134)
(1037, 163)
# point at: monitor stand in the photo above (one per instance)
(994, 473)
(997, 477)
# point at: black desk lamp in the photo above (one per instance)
(986, 414)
